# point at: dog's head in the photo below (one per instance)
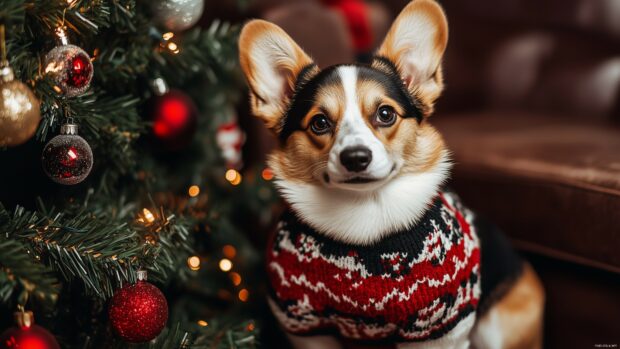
(354, 129)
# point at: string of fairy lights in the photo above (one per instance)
(229, 252)
(226, 264)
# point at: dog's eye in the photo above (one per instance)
(386, 116)
(320, 124)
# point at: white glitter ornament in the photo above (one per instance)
(177, 15)
(70, 68)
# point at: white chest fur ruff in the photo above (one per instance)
(364, 217)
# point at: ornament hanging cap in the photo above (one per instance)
(69, 128)
(142, 275)
(159, 86)
(24, 319)
(6, 73)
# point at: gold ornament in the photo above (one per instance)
(19, 110)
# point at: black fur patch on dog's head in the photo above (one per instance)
(307, 87)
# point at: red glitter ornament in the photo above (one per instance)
(174, 117)
(27, 335)
(138, 312)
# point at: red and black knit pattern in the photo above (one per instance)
(413, 285)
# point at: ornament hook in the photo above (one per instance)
(62, 35)
(4, 61)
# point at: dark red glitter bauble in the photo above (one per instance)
(33, 337)
(174, 117)
(67, 158)
(138, 312)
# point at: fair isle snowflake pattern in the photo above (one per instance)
(414, 285)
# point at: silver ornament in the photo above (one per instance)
(70, 68)
(19, 110)
(177, 15)
(67, 158)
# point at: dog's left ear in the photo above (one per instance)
(272, 63)
(415, 44)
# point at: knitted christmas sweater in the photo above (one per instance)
(413, 285)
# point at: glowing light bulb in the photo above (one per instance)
(233, 176)
(147, 216)
(60, 31)
(193, 191)
(193, 262)
(267, 174)
(244, 295)
(225, 264)
(173, 47)
(202, 323)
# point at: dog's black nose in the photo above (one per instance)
(356, 159)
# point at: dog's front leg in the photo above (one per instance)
(457, 338)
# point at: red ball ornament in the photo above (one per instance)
(138, 312)
(27, 335)
(174, 117)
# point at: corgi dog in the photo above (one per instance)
(373, 250)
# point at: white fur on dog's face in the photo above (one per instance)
(353, 131)
(407, 159)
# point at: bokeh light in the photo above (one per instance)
(193, 262)
(225, 264)
(193, 191)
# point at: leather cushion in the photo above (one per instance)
(552, 183)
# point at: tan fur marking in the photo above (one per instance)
(370, 96)
(520, 312)
(395, 48)
(431, 11)
(305, 154)
(420, 144)
(433, 142)
(328, 101)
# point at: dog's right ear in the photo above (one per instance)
(272, 62)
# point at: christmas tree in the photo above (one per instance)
(121, 161)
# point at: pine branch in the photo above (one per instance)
(214, 336)
(20, 272)
(128, 52)
(225, 336)
(101, 248)
(97, 243)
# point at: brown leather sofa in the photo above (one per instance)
(531, 112)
